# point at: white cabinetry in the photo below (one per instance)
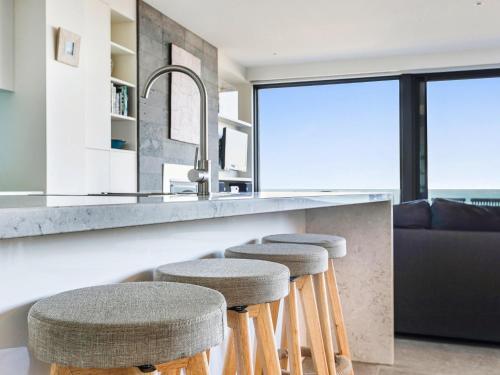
(97, 67)
(97, 171)
(121, 180)
(57, 125)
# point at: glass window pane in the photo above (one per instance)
(334, 136)
(463, 131)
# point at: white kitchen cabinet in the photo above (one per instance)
(123, 171)
(97, 173)
(97, 67)
(61, 114)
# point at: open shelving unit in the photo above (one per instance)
(123, 76)
(234, 123)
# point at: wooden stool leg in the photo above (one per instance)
(198, 365)
(306, 287)
(338, 316)
(264, 332)
(324, 318)
(239, 322)
(58, 370)
(283, 349)
(291, 330)
(230, 357)
(275, 309)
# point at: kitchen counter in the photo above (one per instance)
(24, 216)
(50, 244)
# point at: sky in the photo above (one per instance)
(346, 136)
(341, 136)
(463, 134)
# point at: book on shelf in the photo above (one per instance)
(119, 99)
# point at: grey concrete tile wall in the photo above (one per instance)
(155, 33)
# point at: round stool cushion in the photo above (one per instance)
(335, 245)
(126, 325)
(242, 282)
(300, 259)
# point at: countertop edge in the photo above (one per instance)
(41, 221)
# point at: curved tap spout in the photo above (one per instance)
(202, 164)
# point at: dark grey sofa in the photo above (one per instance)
(447, 281)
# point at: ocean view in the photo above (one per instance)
(458, 194)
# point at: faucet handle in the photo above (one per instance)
(196, 157)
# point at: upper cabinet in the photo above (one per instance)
(7, 45)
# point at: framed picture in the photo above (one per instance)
(68, 47)
(184, 98)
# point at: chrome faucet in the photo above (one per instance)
(202, 166)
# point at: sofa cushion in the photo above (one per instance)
(414, 214)
(450, 215)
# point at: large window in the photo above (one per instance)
(341, 136)
(463, 136)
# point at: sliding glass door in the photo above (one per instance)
(335, 136)
(463, 137)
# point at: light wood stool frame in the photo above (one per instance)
(238, 358)
(336, 310)
(291, 351)
(330, 314)
(195, 365)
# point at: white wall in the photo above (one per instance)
(22, 113)
(362, 67)
(7, 45)
(230, 71)
(234, 76)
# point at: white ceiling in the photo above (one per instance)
(270, 32)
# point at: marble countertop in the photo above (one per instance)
(35, 215)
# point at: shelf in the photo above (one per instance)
(117, 49)
(239, 179)
(117, 17)
(122, 118)
(122, 82)
(237, 123)
(123, 150)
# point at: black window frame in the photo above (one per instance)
(412, 124)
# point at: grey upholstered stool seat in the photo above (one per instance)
(126, 325)
(242, 282)
(300, 259)
(335, 245)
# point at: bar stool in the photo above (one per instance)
(129, 328)
(248, 286)
(337, 248)
(306, 263)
